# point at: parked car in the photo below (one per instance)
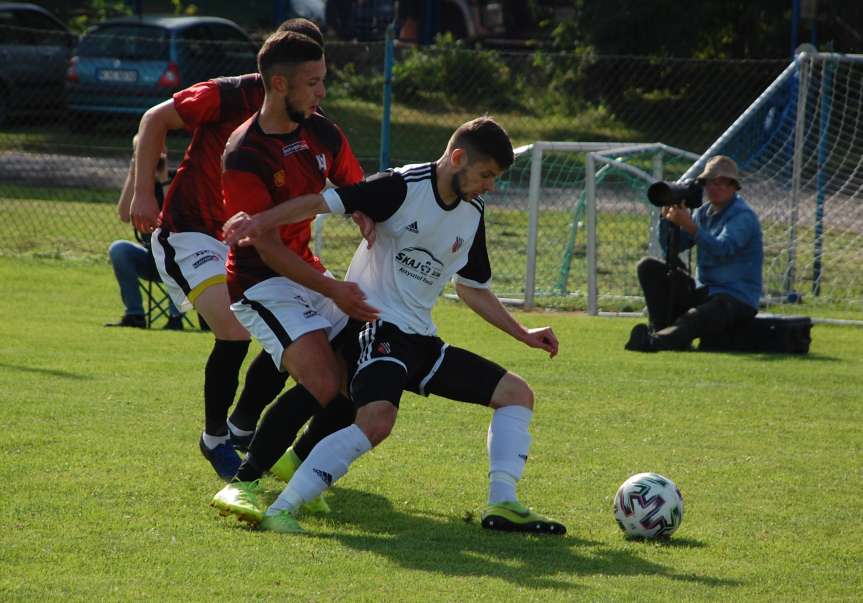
(125, 66)
(35, 48)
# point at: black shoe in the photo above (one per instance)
(640, 339)
(130, 320)
(175, 323)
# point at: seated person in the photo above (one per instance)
(133, 261)
(730, 260)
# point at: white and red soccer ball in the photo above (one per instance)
(648, 505)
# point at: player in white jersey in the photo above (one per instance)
(430, 228)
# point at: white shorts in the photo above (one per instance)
(189, 263)
(278, 311)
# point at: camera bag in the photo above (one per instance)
(764, 333)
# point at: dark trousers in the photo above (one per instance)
(680, 312)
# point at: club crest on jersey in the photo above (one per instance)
(322, 162)
(279, 178)
(457, 245)
(294, 147)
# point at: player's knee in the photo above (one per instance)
(377, 421)
(323, 385)
(512, 391)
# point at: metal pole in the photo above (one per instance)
(823, 127)
(533, 224)
(739, 123)
(590, 196)
(805, 62)
(653, 247)
(389, 57)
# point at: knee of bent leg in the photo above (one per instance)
(646, 266)
(512, 390)
(323, 385)
(377, 420)
(115, 251)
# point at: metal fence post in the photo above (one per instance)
(805, 61)
(590, 199)
(389, 57)
(533, 223)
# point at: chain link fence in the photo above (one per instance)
(61, 169)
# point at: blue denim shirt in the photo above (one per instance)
(730, 250)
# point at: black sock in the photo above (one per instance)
(248, 471)
(280, 425)
(338, 414)
(263, 383)
(221, 377)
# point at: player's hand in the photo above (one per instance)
(352, 301)
(544, 339)
(241, 229)
(366, 226)
(144, 212)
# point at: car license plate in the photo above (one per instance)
(117, 75)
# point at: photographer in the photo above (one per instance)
(730, 259)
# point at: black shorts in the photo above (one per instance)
(386, 361)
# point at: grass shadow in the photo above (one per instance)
(457, 546)
(44, 371)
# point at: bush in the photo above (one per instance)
(453, 76)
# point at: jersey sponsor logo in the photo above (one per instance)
(294, 147)
(413, 227)
(457, 245)
(419, 264)
(204, 259)
(279, 178)
(322, 162)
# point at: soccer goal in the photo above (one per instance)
(799, 148)
(583, 209)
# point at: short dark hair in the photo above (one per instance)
(305, 27)
(483, 138)
(286, 49)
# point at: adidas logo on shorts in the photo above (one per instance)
(325, 477)
(412, 227)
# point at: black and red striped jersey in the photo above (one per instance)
(262, 170)
(211, 110)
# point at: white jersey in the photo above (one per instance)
(420, 244)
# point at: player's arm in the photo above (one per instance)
(473, 286)
(484, 303)
(379, 198)
(346, 295)
(152, 133)
(244, 229)
(124, 203)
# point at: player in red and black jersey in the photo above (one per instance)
(190, 255)
(284, 151)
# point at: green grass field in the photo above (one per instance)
(105, 494)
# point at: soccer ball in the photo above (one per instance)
(648, 505)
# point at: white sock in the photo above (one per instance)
(211, 441)
(508, 447)
(237, 431)
(327, 462)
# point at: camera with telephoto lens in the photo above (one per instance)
(688, 192)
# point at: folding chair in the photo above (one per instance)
(158, 303)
